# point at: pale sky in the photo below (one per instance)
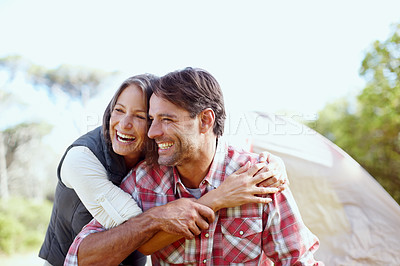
(267, 55)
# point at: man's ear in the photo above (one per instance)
(207, 119)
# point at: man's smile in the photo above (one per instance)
(163, 146)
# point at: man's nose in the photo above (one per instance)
(154, 130)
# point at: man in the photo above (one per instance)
(188, 114)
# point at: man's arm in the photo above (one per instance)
(180, 217)
(113, 246)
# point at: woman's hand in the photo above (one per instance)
(277, 167)
(241, 188)
(249, 183)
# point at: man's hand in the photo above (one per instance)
(184, 217)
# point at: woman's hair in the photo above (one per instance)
(145, 82)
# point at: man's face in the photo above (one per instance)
(176, 134)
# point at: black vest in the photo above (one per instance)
(69, 215)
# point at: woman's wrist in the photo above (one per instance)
(212, 200)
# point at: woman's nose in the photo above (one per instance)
(126, 122)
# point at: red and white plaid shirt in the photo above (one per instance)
(251, 234)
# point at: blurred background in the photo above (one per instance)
(334, 66)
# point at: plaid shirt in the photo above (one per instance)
(251, 234)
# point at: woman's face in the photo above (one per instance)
(128, 124)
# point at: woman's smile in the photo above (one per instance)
(124, 138)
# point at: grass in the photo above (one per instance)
(23, 224)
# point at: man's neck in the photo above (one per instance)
(193, 172)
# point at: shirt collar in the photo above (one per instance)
(216, 173)
(177, 181)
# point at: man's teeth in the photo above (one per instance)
(124, 138)
(165, 146)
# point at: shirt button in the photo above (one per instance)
(204, 261)
(241, 233)
(206, 235)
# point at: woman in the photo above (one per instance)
(93, 167)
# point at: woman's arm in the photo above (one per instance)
(107, 203)
(237, 189)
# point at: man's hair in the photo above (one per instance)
(145, 82)
(194, 90)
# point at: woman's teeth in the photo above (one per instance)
(124, 138)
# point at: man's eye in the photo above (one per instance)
(141, 117)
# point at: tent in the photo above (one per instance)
(356, 220)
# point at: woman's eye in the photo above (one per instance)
(141, 117)
(119, 110)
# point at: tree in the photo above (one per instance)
(371, 133)
(380, 112)
(77, 82)
(28, 161)
(3, 170)
(13, 63)
(22, 152)
(24, 160)
(6, 100)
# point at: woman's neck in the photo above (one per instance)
(131, 162)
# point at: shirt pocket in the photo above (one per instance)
(178, 253)
(241, 238)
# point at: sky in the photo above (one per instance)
(270, 56)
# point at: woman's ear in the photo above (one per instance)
(207, 119)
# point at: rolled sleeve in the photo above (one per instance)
(72, 255)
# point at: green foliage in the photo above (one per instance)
(78, 82)
(23, 224)
(11, 231)
(371, 134)
(12, 64)
(11, 61)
